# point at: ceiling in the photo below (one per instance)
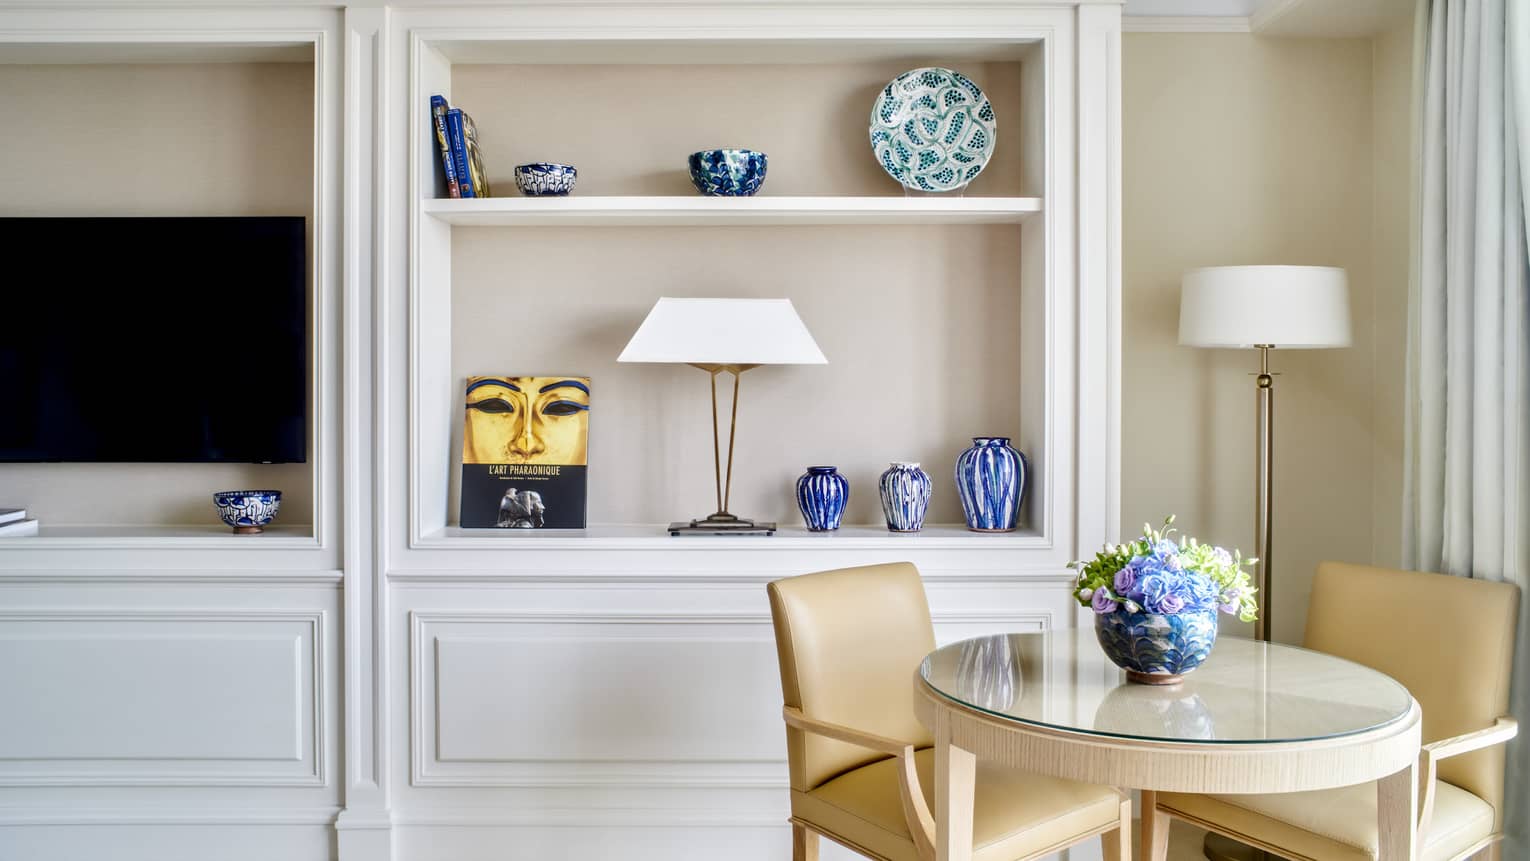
(1331, 18)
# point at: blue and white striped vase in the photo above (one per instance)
(990, 477)
(821, 494)
(905, 490)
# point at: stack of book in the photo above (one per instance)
(460, 157)
(14, 523)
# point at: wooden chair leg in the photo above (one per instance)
(804, 844)
(1155, 829)
(1117, 844)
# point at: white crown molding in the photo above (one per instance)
(1185, 24)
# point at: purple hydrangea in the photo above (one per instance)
(1159, 582)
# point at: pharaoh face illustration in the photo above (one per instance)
(527, 420)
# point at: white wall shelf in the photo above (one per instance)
(186, 537)
(654, 536)
(700, 211)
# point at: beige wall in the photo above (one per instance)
(618, 123)
(895, 310)
(1244, 150)
(224, 139)
(1392, 131)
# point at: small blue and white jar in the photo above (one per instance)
(905, 490)
(822, 494)
(990, 477)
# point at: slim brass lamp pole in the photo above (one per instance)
(1264, 489)
(722, 518)
(1262, 307)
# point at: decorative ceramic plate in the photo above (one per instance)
(932, 129)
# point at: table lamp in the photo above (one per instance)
(1262, 307)
(717, 336)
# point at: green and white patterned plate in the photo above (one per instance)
(932, 129)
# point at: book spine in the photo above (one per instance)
(459, 151)
(438, 108)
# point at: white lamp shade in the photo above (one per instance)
(1293, 307)
(723, 332)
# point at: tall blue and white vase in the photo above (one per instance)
(990, 477)
(905, 490)
(821, 494)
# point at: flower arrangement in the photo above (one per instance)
(1154, 574)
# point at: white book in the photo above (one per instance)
(18, 529)
(11, 515)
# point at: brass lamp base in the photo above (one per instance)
(722, 523)
(1219, 848)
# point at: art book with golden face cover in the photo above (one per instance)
(525, 452)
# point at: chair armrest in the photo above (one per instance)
(1501, 731)
(916, 812)
(869, 740)
(1430, 755)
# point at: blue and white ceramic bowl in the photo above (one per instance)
(728, 172)
(1153, 648)
(248, 511)
(545, 179)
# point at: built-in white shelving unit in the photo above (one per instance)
(380, 684)
(1038, 234)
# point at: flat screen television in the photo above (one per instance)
(158, 340)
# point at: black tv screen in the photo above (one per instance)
(154, 340)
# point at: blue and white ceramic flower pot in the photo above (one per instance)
(248, 511)
(821, 494)
(905, 490)
(728, 172)
(1153, 648)
(545, 179)
(990, 477)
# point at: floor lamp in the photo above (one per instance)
(1264, 308)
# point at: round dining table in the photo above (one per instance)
(1254, 718)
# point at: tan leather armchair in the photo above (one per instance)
(1449, 641)
(862, 767)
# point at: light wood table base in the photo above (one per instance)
(1388, 755)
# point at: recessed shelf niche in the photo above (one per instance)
(901, 290)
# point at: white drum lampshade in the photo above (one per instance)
(723, 332)
(1290, 307)
(723, 336)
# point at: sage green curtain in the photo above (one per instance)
(1467, 459)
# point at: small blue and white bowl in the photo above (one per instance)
(728, 172)
(545, 179)
(248, 511)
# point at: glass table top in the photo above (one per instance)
(1246, 692)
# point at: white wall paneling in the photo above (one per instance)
(363, 828)
(147, 697)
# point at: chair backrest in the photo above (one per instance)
(849, 642)
(1448, 640)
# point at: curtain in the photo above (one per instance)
(1467, 459)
